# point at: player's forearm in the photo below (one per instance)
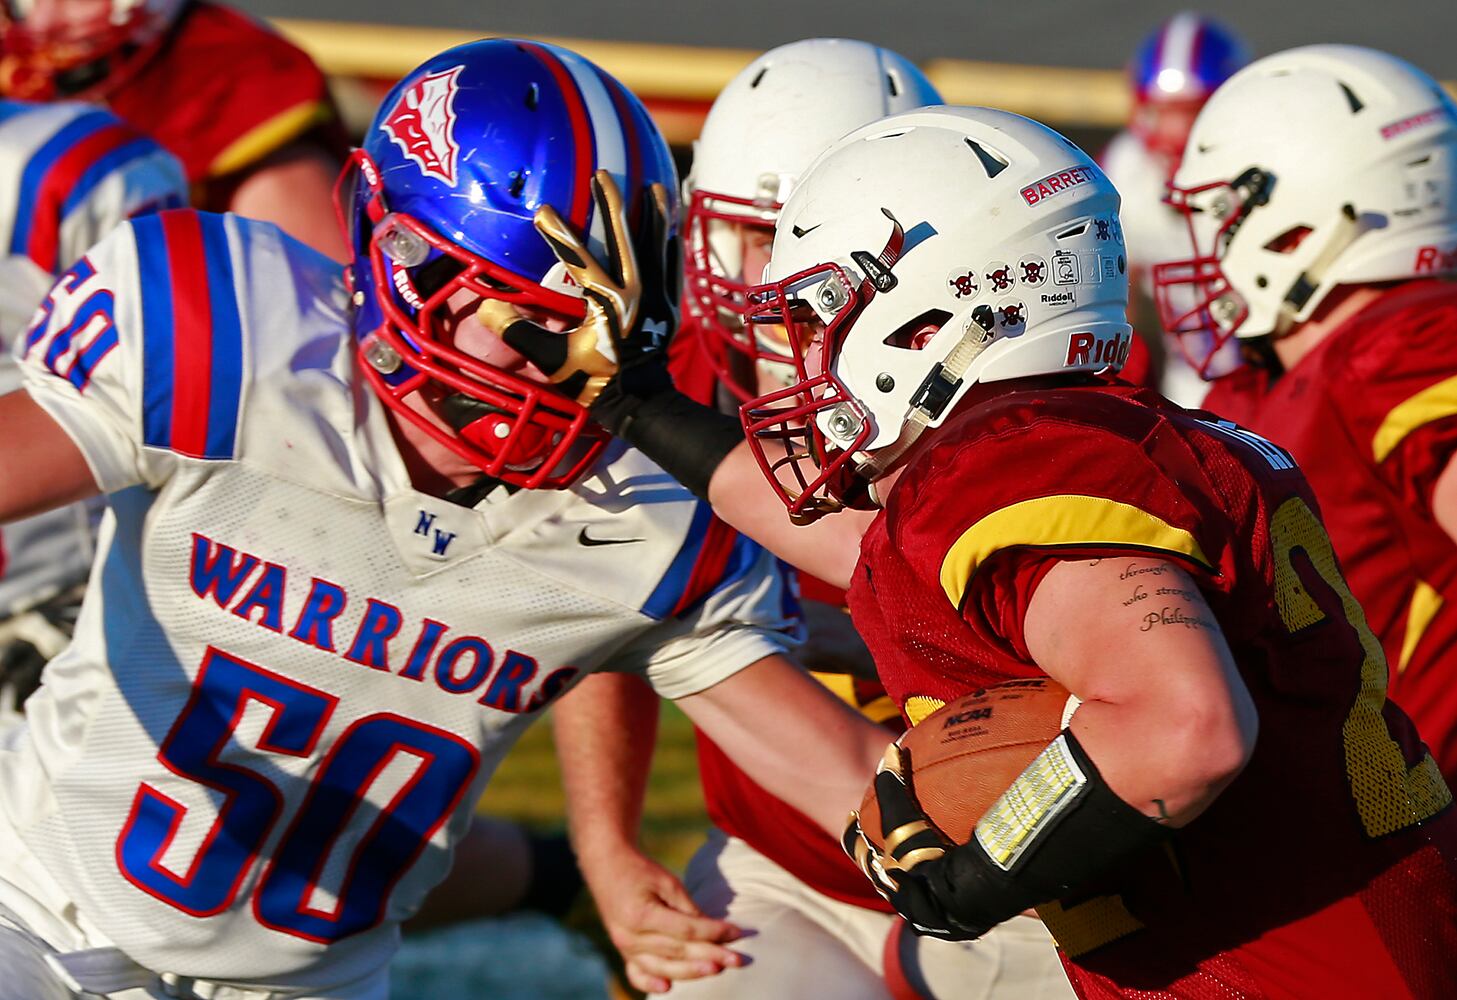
(40, 466)
(792, 737)
(828, 548)
(605, 729)
(705, 451)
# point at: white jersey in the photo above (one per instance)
(294, 673)
(68, 174)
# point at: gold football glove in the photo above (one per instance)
(631, 297)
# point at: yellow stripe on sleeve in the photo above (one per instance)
(272, 135)
(1062, 522)
(1425, 603)
(1432, 403)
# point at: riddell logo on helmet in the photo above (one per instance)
(1085, 349)
(422, 124)
(1063, 180)
(1435, 260)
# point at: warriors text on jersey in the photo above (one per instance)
(293, 673)
(1329, 866)
(68, 174)
(1371, 416)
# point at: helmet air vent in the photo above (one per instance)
(533, 96)
(1352, 99)
(991, 161)
(1072, 232)
(1289, 241)
(894, 87)
(915, 334)
(758, 78)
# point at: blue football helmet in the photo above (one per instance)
(442, 196)
(1176, 68)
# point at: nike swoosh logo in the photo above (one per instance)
(585, 539)
(802, 233)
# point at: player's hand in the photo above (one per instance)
(911, 871)
(656, 926)
(631, 300)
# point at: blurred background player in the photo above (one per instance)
(816, 926)
(1171, 75)
(247, 113)
(312, 733)
(1321, 236)
(68, 174)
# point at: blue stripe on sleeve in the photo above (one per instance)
(670, 588)
(41, 163)
(227, 340)
(119, 157)
(157, 335)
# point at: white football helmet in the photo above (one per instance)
(922, 254)
(1321, 166)
(761, 134)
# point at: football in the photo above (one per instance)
(967, 753)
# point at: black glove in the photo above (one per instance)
(1056, 830)
(616, 357)
(914, 851)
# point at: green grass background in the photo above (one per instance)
(528, 788)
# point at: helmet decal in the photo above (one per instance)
(422, 124)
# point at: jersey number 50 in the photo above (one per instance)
(251, 805)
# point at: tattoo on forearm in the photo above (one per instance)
(1163, 812)
(1175, 616)
(1131, 570)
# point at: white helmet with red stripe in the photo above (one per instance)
(922, 254)
(1317, 167)
(762, 133)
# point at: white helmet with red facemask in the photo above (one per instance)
(1322, 166)
(77, 48)
(762, 133)
(920, 255)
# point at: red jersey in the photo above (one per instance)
(222, 92)
(736, 804)
(1371, 416)
(1328, 868)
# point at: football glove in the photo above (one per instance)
(631, 304)
(1057, 829)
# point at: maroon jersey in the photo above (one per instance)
(1328, 868)
(1371, 416)
(221, 93)
(736, 804)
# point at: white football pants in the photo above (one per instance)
(801, 943)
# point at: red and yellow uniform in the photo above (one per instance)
(221, 92)
(1329, 867)
(737, 805)
(1371, 416)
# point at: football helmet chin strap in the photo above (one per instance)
(935, 394)
(1347, 229)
